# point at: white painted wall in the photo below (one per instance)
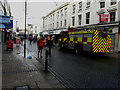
(94, 17)
(94, 8)
(48, 21)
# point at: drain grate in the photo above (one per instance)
(20, 71)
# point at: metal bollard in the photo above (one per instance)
(46, 60)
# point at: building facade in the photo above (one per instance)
(84, 13)
(88, 12)
(57, 20)
(5, 8)
(6, 20)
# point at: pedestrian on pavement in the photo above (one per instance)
(30, 40)
(49, 45)
(44, 42)
(21, 40)
(40, 46)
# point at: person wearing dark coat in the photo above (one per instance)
(49, 45)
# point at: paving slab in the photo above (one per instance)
(18, 71)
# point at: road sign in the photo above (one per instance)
(104, 17)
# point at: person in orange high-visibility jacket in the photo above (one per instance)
(40, 46)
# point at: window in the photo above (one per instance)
(102, 4)
(79, 19)
(61, 13)
(53, 17)
(113, 2)
(73, 9)
(49, 19)
(57, 24)
(57, 14)
(65, 22)
(73, 21)
(65, 11)
(80, 6)
(61, 23)
(112, 17)
(53, 25)
(88, 3)
(87, 17)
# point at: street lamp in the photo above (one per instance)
(119, 38)
(25, 29)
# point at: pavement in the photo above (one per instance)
(18, 71)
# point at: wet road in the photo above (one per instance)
(83, 71)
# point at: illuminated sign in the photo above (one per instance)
(5, 19)
(2, 26)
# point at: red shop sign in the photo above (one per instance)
(104, 17)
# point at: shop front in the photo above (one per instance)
(6, 25)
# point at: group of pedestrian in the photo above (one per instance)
(44, 42)
(31, 38)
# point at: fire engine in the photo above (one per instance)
(95, 40)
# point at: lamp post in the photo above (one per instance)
(25, 29)
(119, 38)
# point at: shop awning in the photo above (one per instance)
(2, 26)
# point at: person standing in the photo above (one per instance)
(40, 46)
(21, 40)
(49, 45)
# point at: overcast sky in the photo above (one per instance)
(35, 11)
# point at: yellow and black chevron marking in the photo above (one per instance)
(101, 44)
(64, 40)
(60, 39)
(71, 40)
